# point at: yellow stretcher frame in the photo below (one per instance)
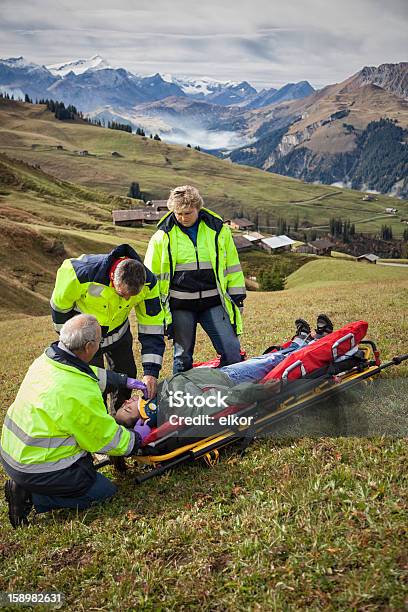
(197, 450)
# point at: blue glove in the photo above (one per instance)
(142, 429)
(133, 383)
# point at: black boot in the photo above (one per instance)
(19, 503)
(118, 463)
(323, 326)
(302, 328)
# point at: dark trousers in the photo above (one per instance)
(215, 322)
(102, 490)
(119, 357)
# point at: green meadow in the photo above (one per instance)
(313, 516)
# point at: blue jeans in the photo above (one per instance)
(215, 322)
(102, 490)
(253, 370)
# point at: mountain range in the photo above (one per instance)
(353, 133)
(92, 84)
(318, 136)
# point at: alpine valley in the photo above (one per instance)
(350, 134)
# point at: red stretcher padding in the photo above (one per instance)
(319, 354)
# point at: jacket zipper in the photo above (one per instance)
(198, 265)
(196, 254)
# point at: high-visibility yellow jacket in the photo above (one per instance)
(57, 418)
(83, 285)
(187, 272)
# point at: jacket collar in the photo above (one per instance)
(102, 275)
(65, 357)
(211, 219)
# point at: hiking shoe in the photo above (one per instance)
(19, 503)
(302, 328)
(323, 325)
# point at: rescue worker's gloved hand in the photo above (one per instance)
(133, 383)
(151, 386)
(141, 429)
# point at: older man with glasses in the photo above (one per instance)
(57, 419)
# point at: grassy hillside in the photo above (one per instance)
(297, 523)
(330, 271)
(42, 221)
(31, 133)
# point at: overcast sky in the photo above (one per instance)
(266, 42)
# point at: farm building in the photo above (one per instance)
(158, 205)
(254, 237)
(368, 258)
(136, 217)
(242, 244)
(152, 216)
(241, 224)
(129, 218)
(305, 248)
(391, 211)
(277, 244)
(321, 246)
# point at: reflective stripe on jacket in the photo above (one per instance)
(171, 252)
(58, 417)
(83, 286)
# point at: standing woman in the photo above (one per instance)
(196, 262)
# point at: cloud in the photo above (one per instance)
(265, 43)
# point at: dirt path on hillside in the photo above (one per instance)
(322, 197)
(382, 263)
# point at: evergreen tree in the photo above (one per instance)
(271, 280)
(386, 232)
(157, 137)
(134, 191)
(282, 226)
(123, 127)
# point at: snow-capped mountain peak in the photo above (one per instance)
(78, 66)
(18, 62)
(200, 85)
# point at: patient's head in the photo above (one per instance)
(128, 413)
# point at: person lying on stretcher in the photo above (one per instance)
(176, 395)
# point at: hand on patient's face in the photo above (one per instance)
(128, 413)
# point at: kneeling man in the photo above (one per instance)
(57, 419)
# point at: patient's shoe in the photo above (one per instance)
(302, 329)
(19, 503)
(323, 326)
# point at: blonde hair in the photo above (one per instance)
(184, 197)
